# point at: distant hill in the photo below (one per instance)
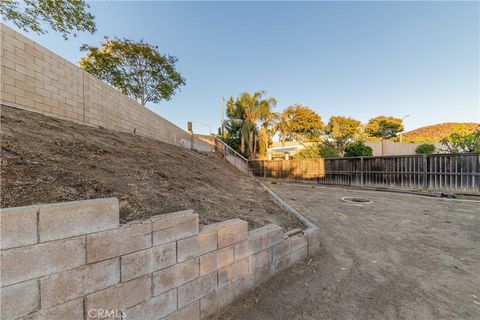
(436, 132)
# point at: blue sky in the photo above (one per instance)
(358, 59)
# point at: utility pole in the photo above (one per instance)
(222, 108)
(190, 130)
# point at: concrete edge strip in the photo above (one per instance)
(288, 207)
(370, 189)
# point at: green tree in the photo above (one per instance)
(425, 148)
(63, 16)
(463, 141)
(245, 113)
(358, 149)
(305, 124)
(136, 68)
(384, 127)
(233, 125)
(342, 130)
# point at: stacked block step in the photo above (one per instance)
(75, 261)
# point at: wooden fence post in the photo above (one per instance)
(425, 176)
(361, 172)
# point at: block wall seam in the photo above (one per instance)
(38, 223)
(39, 295)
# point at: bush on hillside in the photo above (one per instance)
(358, 149)
(425, 148)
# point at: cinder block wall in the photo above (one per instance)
(74, 260)
(36, 79)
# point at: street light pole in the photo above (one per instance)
(401, 134)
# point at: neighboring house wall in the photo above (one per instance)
(207, 138)
(390, 148)
(36, 79)
(380, 148)
(290, 147)
(73, 260)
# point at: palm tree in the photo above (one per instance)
(267, 130)
(283, 125)
(246, 111)
(233, 125)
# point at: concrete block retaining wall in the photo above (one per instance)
(36, 79)
(74, 260)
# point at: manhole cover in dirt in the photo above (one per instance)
(356, 200)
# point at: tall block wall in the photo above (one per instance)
(36, 79)
(75, 261)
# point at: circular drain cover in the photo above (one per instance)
(356, 200)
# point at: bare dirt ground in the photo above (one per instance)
(401, 257)
(45, 160)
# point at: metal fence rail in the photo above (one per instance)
(232, 156)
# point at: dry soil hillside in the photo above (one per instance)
(437, 132)
(45, 160)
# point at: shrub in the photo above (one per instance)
(318, 150)
(425, 148)
(309, 152)
(327, 150)
(232, 142)
(358, 149)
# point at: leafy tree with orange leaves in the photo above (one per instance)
(305, 124)
(384, 127)
(342, 130)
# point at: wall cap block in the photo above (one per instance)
(69, 219)
(18, 226)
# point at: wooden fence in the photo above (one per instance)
(454, 172)
(287, 169)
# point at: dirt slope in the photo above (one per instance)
(45, 160)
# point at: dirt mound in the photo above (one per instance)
(45, 160)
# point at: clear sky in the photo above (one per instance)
(358, 59)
